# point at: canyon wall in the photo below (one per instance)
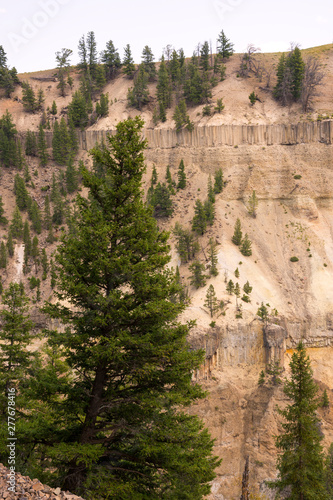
(223, 135)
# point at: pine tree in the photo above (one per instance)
(181, 175)
(186, 244)
(161, 201)
(224, 47)
(247, 288)
(137, 339)
(261, 380)
(128, 62)
(169, 180)
(210, 190)
(204, 57)
(163, 90)
(138, 96)
(252, 204)
(198, 279)
(29, 101)
(8, 145)
(54, 108)
(110, 57)
(3, 255)
(237, 272)
(230, 287)
(15, 336)
(209, 209)
(3, 219)
(325, 400)
(211, 301)
(300, 462)
(16, 225)
(263, 312)
(237, 236)
(219, 106)
(148, 62)
(246, 246)
(71, 178)
(42, 147)
(78, 110)
(35, 217)
(199, 221)
(237, 290)
(274, 369)
(212, 256)
(30, 144)
(10, 244)
(21, 193)
(297, 67)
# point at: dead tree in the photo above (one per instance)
(249, 62)
(245, 481)
(313, 77)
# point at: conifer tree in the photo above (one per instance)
(3, 255)
(15, 335)
(247, 288)
(21, 193)
(204, 57)
(78, 110)
(8, 146)
(128, 62)
(137, 341)
(148, 62)
(16, 224)
(35, 217)
(198, 279)
(71, 178)
(10, 244)
(30, 144)
(212, 256)
(111, 59)
(169, 180)
(237, 236)
(199, 221)
(138, 96)
(211, 301)
(224, 47)
(300, 462)
(29, 100)
(163, 90)
(210, 190)
(42, 147)
(252, 204)
(161, 201)
(186, 244)
(3, 219)
(245, 247)
(209, 209)
(181, 175)
(230, 287)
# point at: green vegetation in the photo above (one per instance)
(301, 463)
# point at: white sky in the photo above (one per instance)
(31, 31)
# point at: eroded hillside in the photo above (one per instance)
(287, 159)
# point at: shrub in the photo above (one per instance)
(294, 259)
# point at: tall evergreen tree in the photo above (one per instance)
(211, 301)
(3, 219)
(300, 461)
(212, 256)
(139, 94)
(186, 243)
(128, 62)
(237, 236)
(204, 57)
(16, 225)
(224, 47)
(246, 245)
(218, 181)
(199, 221)
(77, 110)
(148, 62)
(42, 147)
(21, 193)
(198, 279)
(111, 59)
(3, 255)
(30, 144)
(9, 155)
(161, 201)
(252, 204)
(10, 244)
(163, 90)
(92, 55)
(128, 434)
(29, 100)
(181, 175)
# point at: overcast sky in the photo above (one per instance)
(31, 31)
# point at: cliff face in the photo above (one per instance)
(223, 135)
